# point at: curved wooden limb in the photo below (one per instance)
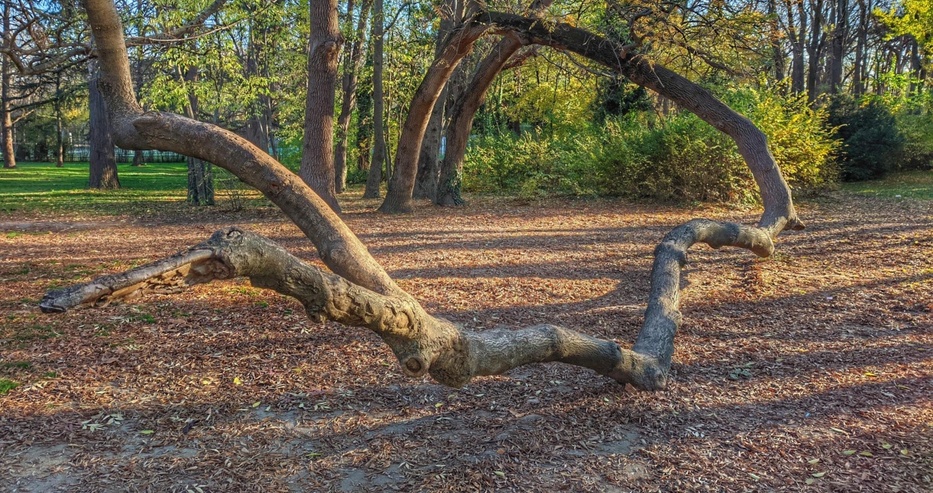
(663, 317)
(422, 343)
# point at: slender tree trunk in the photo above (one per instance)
(374, 179)
(838, 44)
(200, 172)
(777, 51)
(317, 160)
(352, 63)
(796, 34)
(861, 38)
(103, 164)
(6, 118)
(59, 138)
(815, 49)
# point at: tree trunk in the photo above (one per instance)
(861, 41)
(461, 120)
(427, 176)
(103, 164)
(815, 49)
(357, 291)
(352, 63)
(465, 107)
(398, 199)
(200, 173)
(796, 35)
(374, 178)
(777, 50)
(838, 44)
(6, 118)
(317, 159)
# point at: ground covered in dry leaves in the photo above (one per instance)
(809, 371)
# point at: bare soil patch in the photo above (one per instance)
(809, 371)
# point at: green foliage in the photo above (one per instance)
(872, 145)
(641, 156)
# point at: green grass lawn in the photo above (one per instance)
(41, 187)
(44, 187)
(910, 184)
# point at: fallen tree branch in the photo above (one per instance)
(422, 342)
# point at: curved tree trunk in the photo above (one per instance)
(358, 291)
(402, 184)
(464, 109)
(317, 151)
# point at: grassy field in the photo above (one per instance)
(44, 187)
(911, 184)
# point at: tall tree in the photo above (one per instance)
(374, 178)
(352, 63)
(317, 158)
(6, 117)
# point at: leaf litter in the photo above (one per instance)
(812, 370)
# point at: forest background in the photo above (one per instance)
(841, 88)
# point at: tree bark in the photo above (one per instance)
(461, 120)
(359, 292)
(402, 184)
(103, 164)
(464, 110)
(815, 49)
(352, 63)
(317, 159)
(838, 44)
(797, 36)
(374, 178)
(200, 173)
(6, 117)
(428, 167)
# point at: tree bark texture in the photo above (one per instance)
(428, 166)
(358, 291)
(103, 164)
(200, 173)
(317, 158)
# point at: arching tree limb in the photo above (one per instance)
(779, 211)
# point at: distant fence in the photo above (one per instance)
(83, 153)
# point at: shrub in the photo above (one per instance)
(872, 145)
(641, 156)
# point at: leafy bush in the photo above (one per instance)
(916, 126)
(640, 156)
(872, 145)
